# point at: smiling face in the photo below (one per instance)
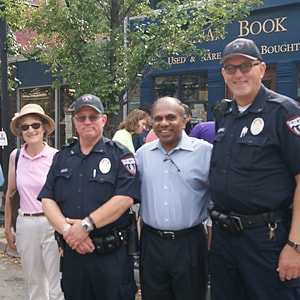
(33, 133)
(168, 121)
(244, 86)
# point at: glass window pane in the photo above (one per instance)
(165, 86)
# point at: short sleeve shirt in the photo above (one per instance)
(256, 155)
(81, 183)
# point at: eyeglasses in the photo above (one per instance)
(25, 127)
(92, 118)
(168, 158)
(244, 68)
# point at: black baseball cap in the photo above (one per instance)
(241, 47)
(90, 101)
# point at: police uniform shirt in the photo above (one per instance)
(256, 155)
(175, 184)
(82, 183)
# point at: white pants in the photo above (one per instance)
(39, 258)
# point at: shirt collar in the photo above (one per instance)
(184, 144)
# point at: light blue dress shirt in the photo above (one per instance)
(174, 185)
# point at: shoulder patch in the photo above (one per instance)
(129, 164)
(293, 124)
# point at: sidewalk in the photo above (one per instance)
(4, 247)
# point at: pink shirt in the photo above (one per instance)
(31, 176)
(151, 136)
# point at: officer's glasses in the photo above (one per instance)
(25, 127)
(92, 118)
(244, 68)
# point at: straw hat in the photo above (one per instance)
(31, 109)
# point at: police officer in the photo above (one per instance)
(90, 187)
(254, 181)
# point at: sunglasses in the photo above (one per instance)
(92, 118)
(244, 68)
(25, 127)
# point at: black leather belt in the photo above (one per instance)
(171, 235)
(250, 221)
(235, 223)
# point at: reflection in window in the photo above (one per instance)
(165, 86)
(195, 94)
(194, 87)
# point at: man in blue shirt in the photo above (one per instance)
(174, 174)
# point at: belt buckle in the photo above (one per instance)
(169, 235)
(237, 221)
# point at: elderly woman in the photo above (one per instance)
(34, 237)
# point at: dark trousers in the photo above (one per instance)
(174, 269)
(98, 277)
(245, 267)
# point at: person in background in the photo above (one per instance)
(90, 188)
(174, 175)
(34, 237)
(204, 130)
(254, 183)
(135, 123)
(139, 139)
(188, 113)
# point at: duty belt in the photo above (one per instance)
(169, 234)
(103, 244)
(235, 223)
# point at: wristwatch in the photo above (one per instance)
(294, 245)
(86, 227)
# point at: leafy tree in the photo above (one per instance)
(107, 47)
(13, 14)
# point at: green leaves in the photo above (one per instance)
(108, 47)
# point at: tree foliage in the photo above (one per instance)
(13, 13)
(106, 47)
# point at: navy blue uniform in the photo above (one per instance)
(80, 184)
(254, 162)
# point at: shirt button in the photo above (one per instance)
(167, 220)
(165, 204)
(165, 187)
(224, 171)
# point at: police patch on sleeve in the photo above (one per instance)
(129, 165)
(294, 125)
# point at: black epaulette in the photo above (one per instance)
(219, 109)
(71, 141)
(115, 144)
(221, 106)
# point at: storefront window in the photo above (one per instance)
(191, 89)
(43, 96)
(46, 97)
(195, 94)
(166, 86)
